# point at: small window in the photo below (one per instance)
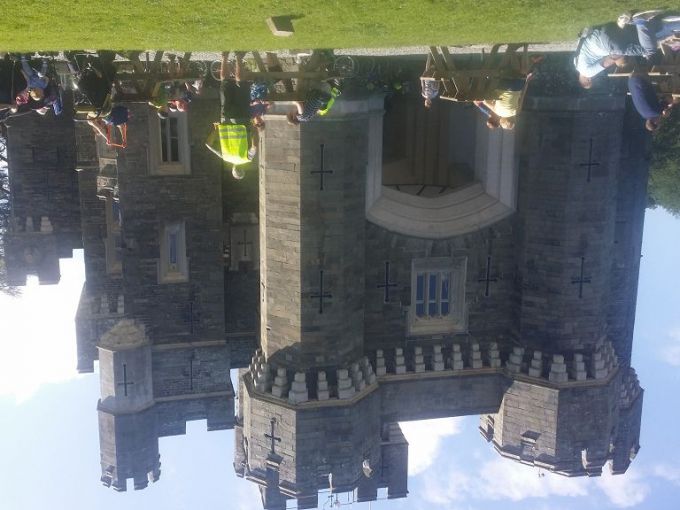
(438, 289)
(169, 150)
(432, 293)
(169, 140)
(113, 242)
(173, 265)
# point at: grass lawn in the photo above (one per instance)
(239, 24)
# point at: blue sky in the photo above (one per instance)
(49, 446)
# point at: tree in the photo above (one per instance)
(664, 175)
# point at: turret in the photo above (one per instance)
(128, 433)
(312, 242)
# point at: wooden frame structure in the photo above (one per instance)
(666, 74)
(295, 83)
(477, 84)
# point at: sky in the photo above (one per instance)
(49, 446)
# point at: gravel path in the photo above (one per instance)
(406, 50)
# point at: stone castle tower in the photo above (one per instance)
(508, 294)
(45, 223)
(152, 307)
(522, 314)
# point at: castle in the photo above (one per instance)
(365, 276)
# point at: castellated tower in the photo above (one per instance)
(152, 309)
(523, 316)
(127, 425)
(312, 183)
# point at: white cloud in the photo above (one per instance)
(667, 472)
(624, 490)
(38, 344)
(500, 479)
(424, 438)
(504, 479)
(670, 352)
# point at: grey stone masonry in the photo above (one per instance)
(494, 356)
(322, 391)
(298, 391)
(578, 371)
(536, 368)
(367, 370)
(312, 245)
(345, 386)
(437, 359)
(263, 377)
(514, 364)
(625, 254)
(570, 163)
(280, 387)
(456, 358)
(357, 377)
(419, 360)
(475, 356)
(191, 307)
(45, 206)
(380, 368)
(399, 361)
(558, 369)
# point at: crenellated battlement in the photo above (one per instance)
(298, 387)
(439, 360)
(630, 388)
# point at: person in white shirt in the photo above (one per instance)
(607, 45)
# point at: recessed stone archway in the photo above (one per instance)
(487, 197)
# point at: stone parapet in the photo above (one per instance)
(297, 387)
(556, 368)
(456, 359)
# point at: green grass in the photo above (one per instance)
(239, 24)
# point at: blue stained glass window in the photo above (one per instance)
(164, 140)
(445, 308)
(445, 286)
(432, 287)
(172, 247)
(420, 294)
(116, 212)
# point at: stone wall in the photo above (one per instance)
(490, 318)
(41, 162)
(309, 235)
(191, 370)
(566, 223)
(172, 311)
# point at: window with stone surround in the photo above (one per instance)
(169, 151)
(437, 296)
(173, 266)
